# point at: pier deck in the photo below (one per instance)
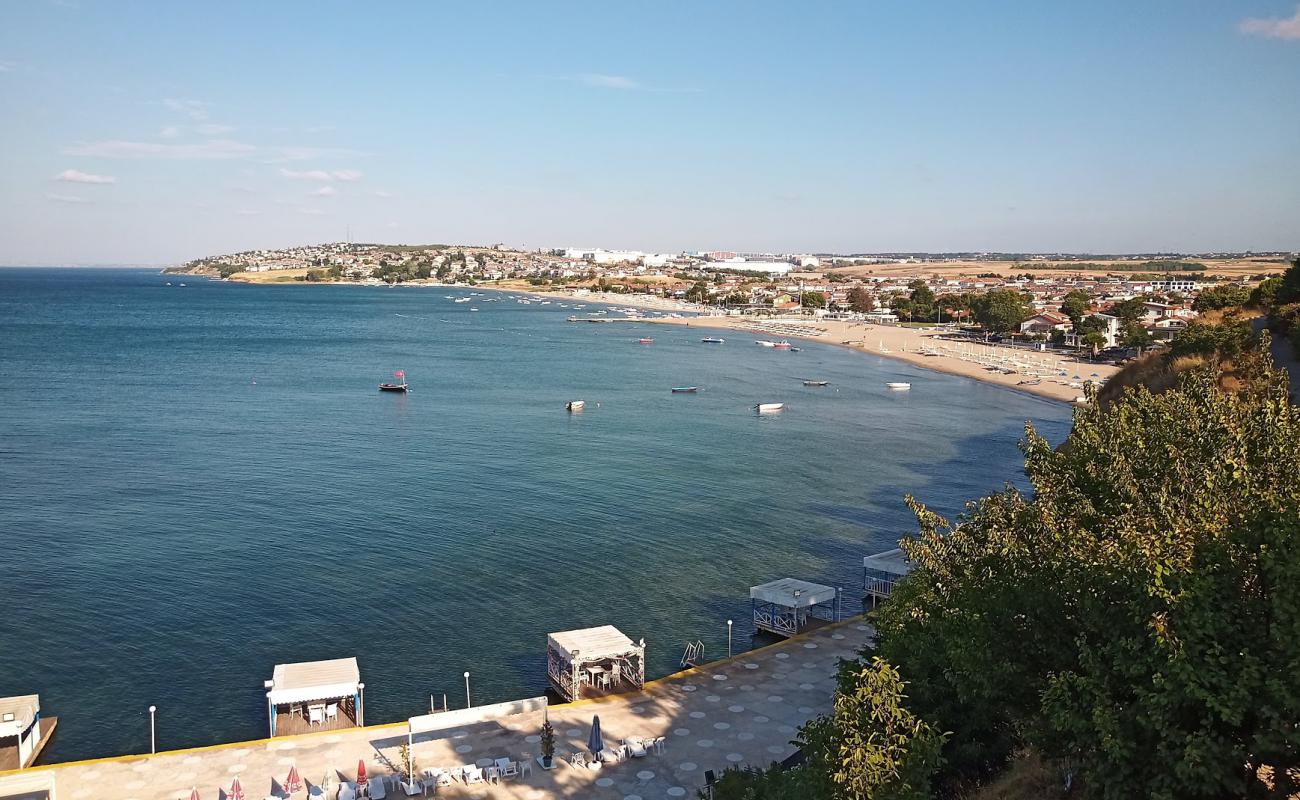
(743, 710)
(9, 755)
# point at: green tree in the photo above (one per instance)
(870, 747)
(1076, 305)
(1228, 295)
(1001, 310)
(1289, 290)
(1264, 295)
(813, 300)
(698, 293)
(923, 307)
(1151, 583)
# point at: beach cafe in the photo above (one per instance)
(22, 731)
(591, 662)
(789, 606)
(881, 572)
(315, 695)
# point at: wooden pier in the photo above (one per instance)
(9, 755)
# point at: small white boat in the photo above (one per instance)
(473, 309)
(575, 405)
(898, 385)
(782, 345)
(762, 343)
(712, 340)
(769, 408)
(816, 383)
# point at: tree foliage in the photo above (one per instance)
(1229, 295)
(1137, 615)
(1001, 310)
(870, 747)
(861, 301)
(1076, 306)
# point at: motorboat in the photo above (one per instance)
(645, 340)
(764, 343)
(782, 346)
(769, 408)
(396, 387)
(816, 383)
(898, 385)
(712, 340)
(685, 389)
(575, 405)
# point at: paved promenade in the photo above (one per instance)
(740, 711)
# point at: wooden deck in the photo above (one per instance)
(9, 755)
(293, 724)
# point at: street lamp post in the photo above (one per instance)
(153, 741)
(728, 638)
(467, 701)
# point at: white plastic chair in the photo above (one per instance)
(511, 770)
(316, 715)
(332, 711)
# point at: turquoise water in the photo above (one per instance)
(198, 483)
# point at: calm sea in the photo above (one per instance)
(200, 482)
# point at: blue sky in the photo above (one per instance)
(158, 132)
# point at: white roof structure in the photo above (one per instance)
(23, 710)
(890, 561)
(314, 680)
(792, 593)
(592, 644)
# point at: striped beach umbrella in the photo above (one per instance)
(236, 790)
(293, 783)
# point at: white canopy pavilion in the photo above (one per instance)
(594, 661)
(22, 731)
(311, 694)
(882, 571)
(789, 606)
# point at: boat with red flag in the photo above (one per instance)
(400, 386)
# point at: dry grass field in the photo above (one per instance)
(1234, 267)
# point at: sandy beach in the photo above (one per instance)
(1034, 372)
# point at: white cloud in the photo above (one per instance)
(381, 193)
(314, 212)
(1272, 28)
(170, 132)
(211, 149)
(607, 81)
(194, 109)
(76, 176)
(324, 191)
(210, 129)
(324, 176)
(247, 212)
(7, 66)
(65, 198)
(392, 225)
(292, 153)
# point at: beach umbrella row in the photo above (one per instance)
(293, 783)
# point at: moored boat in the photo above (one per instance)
(685, 389)
(898, 385)
(816, 383)
(645, 340)
(575, 405)
(782, 345)
(764, 343)
(769, 408)
(712, 340)
(396, 387)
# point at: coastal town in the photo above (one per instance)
(1117, 305)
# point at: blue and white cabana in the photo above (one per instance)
(313, 695)
(22, 731)
(881, 572)
(591, 662)
(789, 606)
